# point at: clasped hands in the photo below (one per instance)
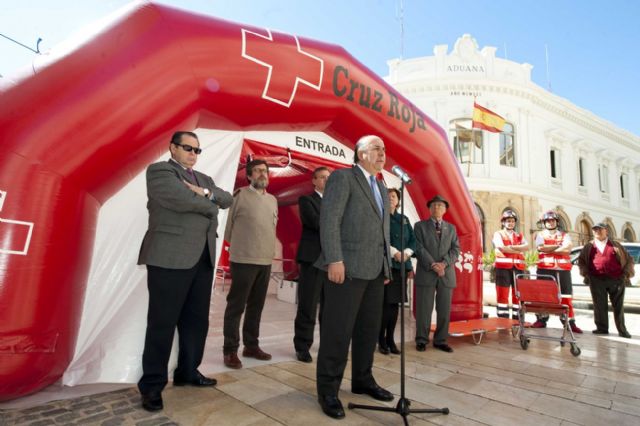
(438, 268)
(401, 257)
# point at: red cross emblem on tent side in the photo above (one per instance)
(287, 64)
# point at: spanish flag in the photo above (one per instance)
(486, 119)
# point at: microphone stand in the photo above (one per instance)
(404, 404)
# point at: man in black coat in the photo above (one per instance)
(309, 284)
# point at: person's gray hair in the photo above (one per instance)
(363, 143)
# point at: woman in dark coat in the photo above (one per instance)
(393, 290)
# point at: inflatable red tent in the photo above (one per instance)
(92, 116)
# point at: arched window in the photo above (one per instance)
(612, 229)
(628, 233)
(507, 146)
(584, 232)
(467, 141)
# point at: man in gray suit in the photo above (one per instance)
(437, 251)
(179, 250)
(354, 234)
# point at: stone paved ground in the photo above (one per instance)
(107, 409)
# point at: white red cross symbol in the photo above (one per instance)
(15, 235)
(287, 64)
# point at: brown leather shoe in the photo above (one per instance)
(232, 361)
(256, 353)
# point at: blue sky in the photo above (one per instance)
(594, 52)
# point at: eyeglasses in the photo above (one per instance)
(190, 148)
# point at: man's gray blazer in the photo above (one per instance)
(430, 250)
(351, 229)
(180, 221)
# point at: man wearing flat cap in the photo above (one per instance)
(437, 250)
(606, 267)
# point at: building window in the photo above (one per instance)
(623, 186)
(584, 232)
(603, 178)
(628, 235)
(467, 141)
(581, 172)
(507, 146)
(554, 157)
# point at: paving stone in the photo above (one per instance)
(124, 410)
(116, 421)
(96, 417)
(153, 422)
(119, 404)
(84, 404)
(55, 412)
(97, 409)
(66, 418)
(42, 422)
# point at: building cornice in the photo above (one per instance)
(535, 95)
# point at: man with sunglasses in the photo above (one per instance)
(179, 250)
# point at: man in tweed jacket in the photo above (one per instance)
(354, 234)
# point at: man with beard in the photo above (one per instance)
(251, 233)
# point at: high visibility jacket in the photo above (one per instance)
(557, 261)
(510, 260)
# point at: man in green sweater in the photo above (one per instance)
(251, 233)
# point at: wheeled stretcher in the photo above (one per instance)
(540, 294)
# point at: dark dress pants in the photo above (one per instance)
(600, 288)
(309, 295)
(351, 314)
(390, 307)
(425, 298)
(177, 297)
(249, 285)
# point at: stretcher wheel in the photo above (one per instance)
(524, 343)
(575, 350)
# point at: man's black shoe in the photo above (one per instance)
(394, 349)
(383, 349)
(199, 380)
(152, 401)
(331, 406)
(304, 356)
(624, 334)
(375, 392)
(421, 347)
(600, 331)
(443, 347)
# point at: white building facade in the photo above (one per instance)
(551, 155)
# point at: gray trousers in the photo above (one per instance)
(249, 284)
(425, 297)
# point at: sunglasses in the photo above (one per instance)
(190, 148)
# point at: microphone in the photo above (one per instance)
(401, 174)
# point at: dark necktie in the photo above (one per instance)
(438, 229)
(192, 176)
